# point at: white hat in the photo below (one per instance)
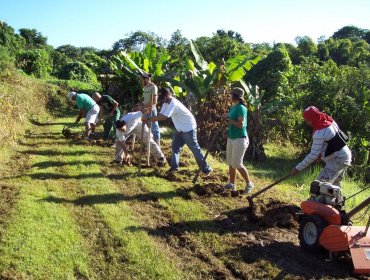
(71, 94)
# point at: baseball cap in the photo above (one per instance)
(237, 91)
(146, 75)
(71, 94)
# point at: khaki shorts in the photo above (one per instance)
(92, 114)
(235, 150)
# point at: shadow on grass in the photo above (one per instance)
(37, 123)
(56, 176)
(56, 153)
(117, 197)
(47, 164)
(291, 259)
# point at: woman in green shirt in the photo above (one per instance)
(237, 139)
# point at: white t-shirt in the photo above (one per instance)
(182, 118)
(132, 119)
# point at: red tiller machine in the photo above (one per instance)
(323, 224)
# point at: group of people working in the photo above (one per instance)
(327, 141)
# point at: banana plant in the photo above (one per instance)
(133, 64)
(202, 77)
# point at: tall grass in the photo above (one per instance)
(21, 97)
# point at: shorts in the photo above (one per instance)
(92, 114)
(235, 150)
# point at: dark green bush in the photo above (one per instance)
(78, 71)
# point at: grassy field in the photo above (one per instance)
(67, 213)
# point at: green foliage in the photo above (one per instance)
(270, 73)
(350, 32)
(179, 50)
(34, 39)
(78, 86)
(6, 62)
(221, 47)
(137, 41)
(78, 71)
(35, 62)
(13, 42)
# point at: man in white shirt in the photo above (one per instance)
(128, 124)
(185, 130)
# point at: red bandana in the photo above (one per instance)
(318, 119)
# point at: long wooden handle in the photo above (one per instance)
(148, 146)
(141, 146)
(210, 146)
(268, 187)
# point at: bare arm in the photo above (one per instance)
(115, 105)
(158, 118)
(82, 113)
(239, 123)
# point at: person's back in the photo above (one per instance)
(182, 118)
(84, 102)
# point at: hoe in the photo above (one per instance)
(323, 224)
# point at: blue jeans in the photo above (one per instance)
(190, 139)
(155, 127)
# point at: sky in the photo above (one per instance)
(100, 23)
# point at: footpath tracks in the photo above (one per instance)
(76, 216)
(53, 233)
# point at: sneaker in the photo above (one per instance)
(172, 170)
(161, 162)
(230, 186)
(206, 173)
(87, 138)
(249, 187)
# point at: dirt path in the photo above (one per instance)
(152, 226)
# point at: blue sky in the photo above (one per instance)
(100, 23)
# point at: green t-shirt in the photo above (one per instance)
(107, 102)
(84, 102)
(235, 112)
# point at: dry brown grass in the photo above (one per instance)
(21, 97)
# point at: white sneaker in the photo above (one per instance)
(230, 186)
(249, 187)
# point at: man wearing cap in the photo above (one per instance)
(127, 125)
(237, 139)
(150, 102)
(185, 130)
(108, 108)
(88, 108)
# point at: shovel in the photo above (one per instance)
(265, 189)
(141, 147)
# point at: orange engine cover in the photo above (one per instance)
(327, 212)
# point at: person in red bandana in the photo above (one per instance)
(329, 144)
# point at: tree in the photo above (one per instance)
(78, 71)
(70, 51)
(306, 45)
(269, 73)
(178, 48)
(11, 41)
(350, 32)
(221, 47)
(35, 62)
(340, 50)
(136, 41)
(34, 39)
(231, 34)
